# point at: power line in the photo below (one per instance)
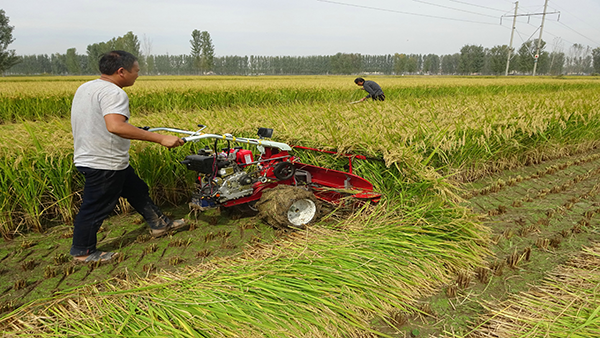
(452, 8)
(559, 37)
(576, 32)
(547, 32)
(573, 30)
(466, 3)
(530, 14)
(402, 12)
(578, 18)
(556, 36)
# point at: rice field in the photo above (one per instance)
(435, 135)
(564, 305)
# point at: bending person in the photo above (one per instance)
(371, 87)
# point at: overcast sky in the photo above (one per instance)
(299, 27)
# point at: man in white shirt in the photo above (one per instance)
(102, 133)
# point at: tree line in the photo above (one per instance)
(471, 60)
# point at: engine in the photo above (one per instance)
(221, 177)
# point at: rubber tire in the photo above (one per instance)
(276, 205)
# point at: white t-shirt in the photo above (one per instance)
(95, 146)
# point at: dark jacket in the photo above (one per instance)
(372, 88)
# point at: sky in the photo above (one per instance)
(301, 27)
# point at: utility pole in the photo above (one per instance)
(512, 34)
(537, 52)
(541, 29)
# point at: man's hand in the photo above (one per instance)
(361, 100)
(170, 141)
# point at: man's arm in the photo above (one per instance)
(369, 89)
(118, 125)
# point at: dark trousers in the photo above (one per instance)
(101, 194)
(378, 97)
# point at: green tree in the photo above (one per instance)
(412, 63)
(431, 64)
(399, 63)
(7, 57)
(128, 42)
(557, 63)
(163, 64)
(94, 52)
(58, 64)
(497, 57)
(450, 63)
(596, 59)
(196, 52)
(72, 62)
(176, 62)
(208, 52)
(472, 59)
(202, 51)
(377, 64)
(579, 60)
(526, 58)
(150, 67)
(342, 63)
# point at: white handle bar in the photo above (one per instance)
(196, 136)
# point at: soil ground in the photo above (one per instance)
(39, 265)
(539, 216)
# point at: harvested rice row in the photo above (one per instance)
(565, 305)
(319, 283)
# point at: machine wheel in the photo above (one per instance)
(284, 170)
(285, 206)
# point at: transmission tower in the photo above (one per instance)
(537, 52)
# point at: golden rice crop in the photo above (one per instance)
(328, 282)
(459, 130)
(28, 99)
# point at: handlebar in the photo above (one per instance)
(195, 136)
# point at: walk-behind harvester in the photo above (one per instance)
(286, 192)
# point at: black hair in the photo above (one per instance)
(359, 79)
(111, 62)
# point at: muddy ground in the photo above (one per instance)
(39, 265)
(539, 215)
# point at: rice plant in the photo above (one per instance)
(456, 127)
(326, 281)
(328, 284)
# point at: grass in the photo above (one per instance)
(210, 236)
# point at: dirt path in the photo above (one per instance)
(539, 216)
